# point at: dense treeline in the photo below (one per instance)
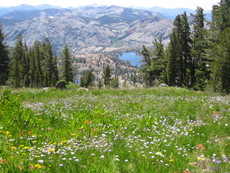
(32, 67)
(197, 57)
(4, 59)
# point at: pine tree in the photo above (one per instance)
(4, 59)
(106, 75)
(67, 71)
(17, 65)
(158, 60)
(146, 67)
(175, 65)
(186, 49)
(55, 76)
(154, 63)
(26, 68)
(198, 69)
(220, 36)
(87, 79)
(179, 53)
(38, 76)
(49, 64)
(172, 61)
(179, 44)
(32, 68)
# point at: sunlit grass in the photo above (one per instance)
(138, 130)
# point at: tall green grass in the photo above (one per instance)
(138, 130)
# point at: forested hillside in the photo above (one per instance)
(197, 57)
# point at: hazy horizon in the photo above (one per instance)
(206, 5)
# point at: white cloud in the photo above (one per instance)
(206, 4)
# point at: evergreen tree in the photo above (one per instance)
(175, 55)
(17, 64)
(114, 82)
(199, 72)
(4, 59)
(32, 68)
(67, 71)
(179, 53)
(146, 67)
(87, 79)
(49, 65)
(158, 60)
(55, 75)
(219, 49)
(172, 61)
(38, 76)
(26, 68)
(186, 49)
(106, 75)
(153, 64)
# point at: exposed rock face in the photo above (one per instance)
(88, 29)
(97, 62)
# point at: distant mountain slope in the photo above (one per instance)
(25, 7)
(171, 13)
(88, 29)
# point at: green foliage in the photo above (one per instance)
(200, 60)
(172, 61)
(12, 112)
(194, 60)
(114, 82)
(141, 130)
(146, 68)
(17, 64)
(179, 65)
(4, 59)
(200, 80)
(219, 47)
(33, 67)
(49, 65)
(106, 75)
(87, 79)
(67, 67)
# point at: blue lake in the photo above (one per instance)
(132, 57)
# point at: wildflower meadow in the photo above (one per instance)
(165, 130)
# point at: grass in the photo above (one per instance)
(140, 130)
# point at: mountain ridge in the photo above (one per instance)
(168, 12)
(87, 29)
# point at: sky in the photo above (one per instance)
(205, 4)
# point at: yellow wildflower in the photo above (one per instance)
(13, 148)
(51, 150)
(38, 166)
(199, 158)
(7, 132)
(63, 142)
